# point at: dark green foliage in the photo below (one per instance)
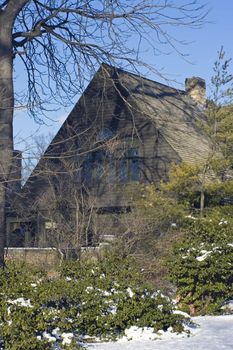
(95, 298)
(202, 264)
(21, 325)
(114, 298)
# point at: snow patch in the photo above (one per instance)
(210, 333)
(67, 338)
(228, 306)
(49, 337)
(137, 333)
(205, 254)
(179, 312)
(130, 292)
(21, 302)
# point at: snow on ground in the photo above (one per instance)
(213, 333)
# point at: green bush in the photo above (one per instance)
(27, 322)
(150, 231)
(95, 298)
(114, 298)
(201, 267)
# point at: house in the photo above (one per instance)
(124, 130)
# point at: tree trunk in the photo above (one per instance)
(7, 19)
(6, 118)
(202, 202)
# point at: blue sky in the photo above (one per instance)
(202, 52)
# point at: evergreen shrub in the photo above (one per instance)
(201, 267)
(98, 299)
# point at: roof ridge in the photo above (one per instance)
(121, 70)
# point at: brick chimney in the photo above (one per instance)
(196, 88)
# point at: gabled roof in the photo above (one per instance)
(174, 113)
(176, 116)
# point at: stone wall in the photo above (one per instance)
(49, 259)
(45, 258)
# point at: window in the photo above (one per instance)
(102, 165)
(98, 165)
(94, 167)
(105, 134)
(112, 170)
(129, 167)
(87, 170)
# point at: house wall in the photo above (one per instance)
(59, 176)
(105, 106)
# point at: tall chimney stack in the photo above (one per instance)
(196, 88)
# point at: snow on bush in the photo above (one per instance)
(202, 265)
(101, 299)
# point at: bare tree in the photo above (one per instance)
(68, 195)
(60, 43)
(33, 150)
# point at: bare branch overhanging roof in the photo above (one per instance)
(174, 113)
